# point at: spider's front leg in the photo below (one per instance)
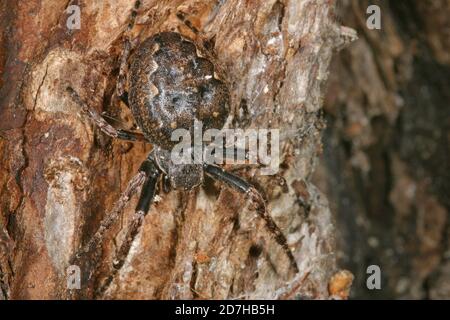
(152, 173)
(135, 183)
(142, 178)
(244, 187)
(146, 178)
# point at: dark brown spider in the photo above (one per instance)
(172, 83)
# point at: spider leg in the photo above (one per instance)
(246, 188)
(120, 88)
(135, 183)
(127, 46)
(101, 123)
(244, 160)
(182, 17)
(216, 154)
(145, 200)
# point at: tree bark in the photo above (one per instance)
(60, 175)
(386, 162)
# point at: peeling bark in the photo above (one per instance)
(60, 175)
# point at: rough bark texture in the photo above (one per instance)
(59, 175)
(386, 161)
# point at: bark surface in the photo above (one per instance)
(59, 175)
(386, 157)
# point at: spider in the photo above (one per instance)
(171, 82)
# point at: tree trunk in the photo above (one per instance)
(386, 162)
(60, 175)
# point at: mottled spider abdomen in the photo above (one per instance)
(172, 84)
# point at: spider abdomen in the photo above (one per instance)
(172, 84)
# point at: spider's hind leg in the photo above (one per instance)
(101, 123)
(120, 87)
(244, 187)
(127, 47)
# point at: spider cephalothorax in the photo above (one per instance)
(172, 83)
